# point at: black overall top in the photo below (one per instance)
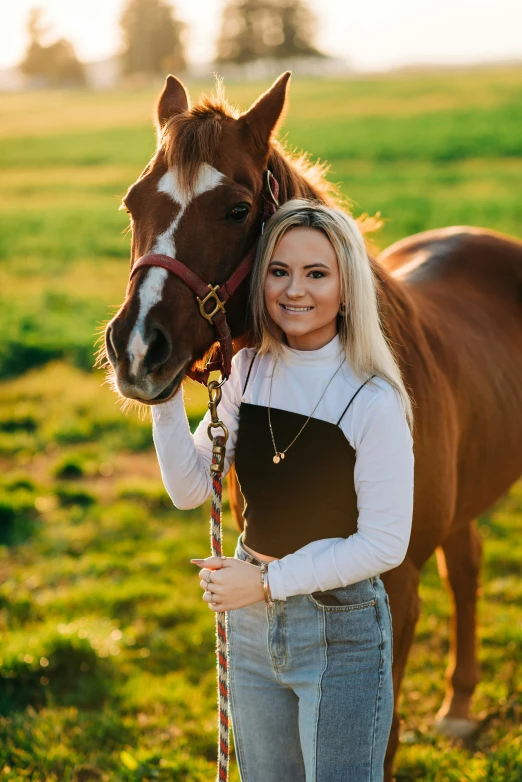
(309, 495)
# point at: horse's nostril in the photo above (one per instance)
(160, 348)
(112, 352)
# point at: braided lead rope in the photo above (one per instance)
(221, 628)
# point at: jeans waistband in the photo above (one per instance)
(242, 553)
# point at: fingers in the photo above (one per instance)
(209, 594)
(214, 575)
(211, 566)
(212, 587)
(212, 563)
(210, 598)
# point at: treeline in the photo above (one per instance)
(154, 39)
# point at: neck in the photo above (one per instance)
(313, 341)
(319, 359)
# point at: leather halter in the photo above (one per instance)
(209, 293)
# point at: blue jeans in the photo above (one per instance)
(311, 692)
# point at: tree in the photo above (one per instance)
(256, 29)
(56, 64)
(153, 38)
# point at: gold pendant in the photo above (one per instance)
(282, 455)
(276, 459)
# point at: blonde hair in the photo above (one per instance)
(360, 329)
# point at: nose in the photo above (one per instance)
(295, 289)
(146, 355)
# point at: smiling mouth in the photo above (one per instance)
(288, 308)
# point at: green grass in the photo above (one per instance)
(107, 650)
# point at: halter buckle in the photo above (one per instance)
(211, 295)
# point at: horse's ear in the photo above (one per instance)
(266, 114)
(173, 100)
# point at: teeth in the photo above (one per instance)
(296, 309)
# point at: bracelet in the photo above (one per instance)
(264, 579)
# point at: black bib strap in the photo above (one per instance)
(353, 397)
(249, 371)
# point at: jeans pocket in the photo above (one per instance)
(348, 598)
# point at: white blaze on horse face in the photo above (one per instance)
(151, 289)
(207, 179)
(150, 293)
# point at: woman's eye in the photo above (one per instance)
(239, 213)
(317, 275)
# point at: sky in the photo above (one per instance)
(369, 34)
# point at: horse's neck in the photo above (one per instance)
(398, 314)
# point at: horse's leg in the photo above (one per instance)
(235, 498)
(402, 585)
(458, 560)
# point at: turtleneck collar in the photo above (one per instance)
(329, 356)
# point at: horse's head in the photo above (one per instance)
(200, 200)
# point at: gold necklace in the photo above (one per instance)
(278, 455)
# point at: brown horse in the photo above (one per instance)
(451, 304)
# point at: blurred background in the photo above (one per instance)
(107, 668)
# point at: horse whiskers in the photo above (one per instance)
(128, 405)
(101, 359)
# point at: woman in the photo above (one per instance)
(319, 428)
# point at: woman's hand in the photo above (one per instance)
(234, 583)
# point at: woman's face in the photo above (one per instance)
(303, 288)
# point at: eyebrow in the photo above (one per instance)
(308, 266)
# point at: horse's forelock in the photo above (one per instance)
(193, 137)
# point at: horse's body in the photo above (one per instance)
(451, 304)
(462, 361)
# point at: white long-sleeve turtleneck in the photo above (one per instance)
(375, 426)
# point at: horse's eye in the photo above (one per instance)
(239, 213)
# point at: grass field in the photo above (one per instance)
(106, 648)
